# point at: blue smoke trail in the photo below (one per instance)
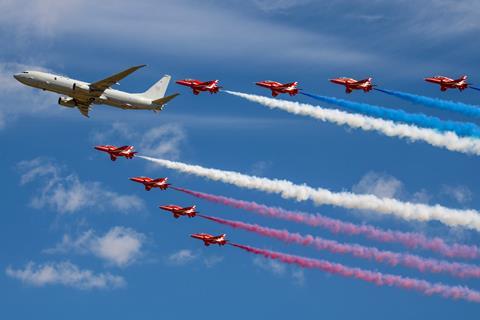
(467, 109)
(474, 88)
(463, 129)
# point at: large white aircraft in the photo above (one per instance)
(81, 95)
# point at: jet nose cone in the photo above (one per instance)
(17, 76)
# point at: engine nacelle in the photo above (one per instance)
(80, 88)
(67, 102)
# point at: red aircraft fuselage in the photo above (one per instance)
(208, 239)
(115, 152)
(449, 83)
(278, 88)
(180, 211)
(198, 86)
(150, 183)
(352, 84)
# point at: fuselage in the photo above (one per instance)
(77, 89)
(448, 83)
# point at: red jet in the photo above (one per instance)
(115, 152)
(352, 84)
(180, 211)
(150, 183)
(197, 85)
(208, 239)
(448, 83)
(277, 87)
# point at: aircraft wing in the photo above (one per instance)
(99, 87)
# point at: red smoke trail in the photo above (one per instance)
(359, 251)
(380, 279)
(408, 239)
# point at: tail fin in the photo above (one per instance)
(463, 77)
(158, 90)
(366, 80)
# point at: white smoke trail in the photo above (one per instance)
(447, 140)
(406, 210)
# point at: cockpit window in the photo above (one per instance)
(25, 72)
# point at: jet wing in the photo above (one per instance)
(99, 87)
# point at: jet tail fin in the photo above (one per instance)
(158, 90)
(365, 80)
(165, 100)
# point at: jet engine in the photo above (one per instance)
(67, 102)
(79, 87)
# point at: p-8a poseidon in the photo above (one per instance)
(81, 95)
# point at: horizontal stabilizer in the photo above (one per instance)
(165, 100)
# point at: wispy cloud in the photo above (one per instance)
(120, 246)
(461, 194)
(280, 270)
(279, 5)
(66, 193)
(17, 99)
(64, 273)
(182, 257)
(380, 184)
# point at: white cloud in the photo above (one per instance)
(18, 99)
(298, 276)
(280, 270)
(381, 185)
(259, 168)
(66, 193)
(211, 261)
(163, 142)
(279, 5)
(182, 257)
(230, 32)
(119, 246)
(273, 266)
(461, 194)
(64, 273)
(43, 18)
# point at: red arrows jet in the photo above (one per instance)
(197, 85)
(115, 152)
(208, 239)
(180, 211)
(448, 83)
(150, 183)
(352, 84)
(277, 87)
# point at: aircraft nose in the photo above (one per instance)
(17, 76)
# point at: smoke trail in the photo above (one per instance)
(463, 129)
(380, 279)
(447, 140)
(467, 109)
(408, 239)
(474, 88)
(370, 253)
(406, 210)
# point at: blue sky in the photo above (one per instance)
(67, 207)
